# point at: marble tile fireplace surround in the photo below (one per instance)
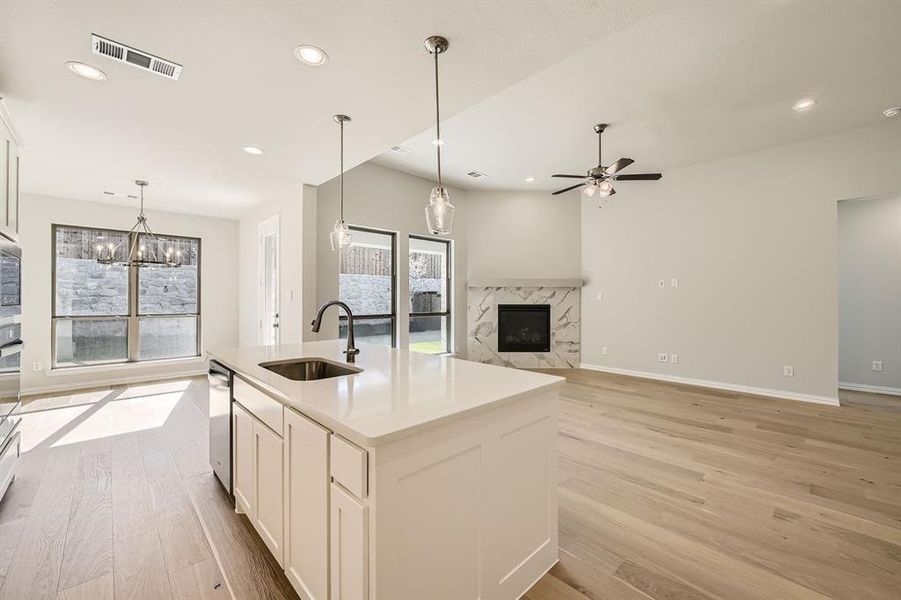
(563, 297)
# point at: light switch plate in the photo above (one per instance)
(600, 296)
(788, 371)
(877, 365)
(604, 351)
(661, 283)
(674, 358)
(674, 282)
(662, 357)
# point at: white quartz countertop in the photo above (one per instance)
(398, 392)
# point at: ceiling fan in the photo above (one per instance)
(600, 179)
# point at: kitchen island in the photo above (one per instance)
(411, 477)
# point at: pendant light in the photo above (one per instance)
(139, 236)
(439, 214)
(340, 237)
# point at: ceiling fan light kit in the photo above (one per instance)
(599, 180)
(439, 214)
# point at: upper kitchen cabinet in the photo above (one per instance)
(10, 166)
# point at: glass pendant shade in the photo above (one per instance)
(439, 214)
(605, 188)
(340, 237)
(590, 190)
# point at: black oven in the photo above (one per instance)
(11, 343)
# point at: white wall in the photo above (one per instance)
(523, 235)
(219, 304)
(753, 242)
(869, 242)
(291, 218)
(382, 198)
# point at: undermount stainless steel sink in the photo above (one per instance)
(308, 369)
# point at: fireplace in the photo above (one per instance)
(523, 327)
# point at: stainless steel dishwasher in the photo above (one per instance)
(221, 423)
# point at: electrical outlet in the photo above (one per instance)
(877, 365)
(788, 371)
(36, 366)
(674, 282)
(661, 283)
(674, 358)
(600, 296)
(604, 351)
(662, 357)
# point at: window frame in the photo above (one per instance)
(392, 316)
(134, 315)
(448, 283)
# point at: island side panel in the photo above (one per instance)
(468, 509)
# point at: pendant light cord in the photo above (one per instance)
(437, 118)
(341, 178)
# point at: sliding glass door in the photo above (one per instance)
(367, 283)
(429, 302)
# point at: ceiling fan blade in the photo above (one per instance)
(572, 187)
(570, 176)
(639, 177)
(618, 166)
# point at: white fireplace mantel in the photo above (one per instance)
(525, 283)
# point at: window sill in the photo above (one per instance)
(127, 366)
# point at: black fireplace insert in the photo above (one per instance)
(523, 327)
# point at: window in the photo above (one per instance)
(115, 313)
(430, 285)
(367, 284)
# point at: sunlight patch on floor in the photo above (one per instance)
(116, 414)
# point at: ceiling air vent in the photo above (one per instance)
(477, 175)
(134, 57)
(400, 149)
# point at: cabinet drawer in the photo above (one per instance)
(349, 465)
(268, 410)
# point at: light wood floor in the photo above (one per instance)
(666, 492)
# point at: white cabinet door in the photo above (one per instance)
(306, 506)
(243, 474)
(12, 202)
(6, 164)
(350, 546)
(269, 521)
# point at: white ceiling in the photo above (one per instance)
(689, 84)
(241, 86)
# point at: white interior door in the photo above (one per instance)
(269, 293)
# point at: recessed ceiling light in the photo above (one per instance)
(892, 112)
(85, 70)
(438, 142)
(311, 55)
(530, 179)
(804, 104)
(252, 150)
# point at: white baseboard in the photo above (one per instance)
(719, 385)
(866, 387)
(108, 381)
